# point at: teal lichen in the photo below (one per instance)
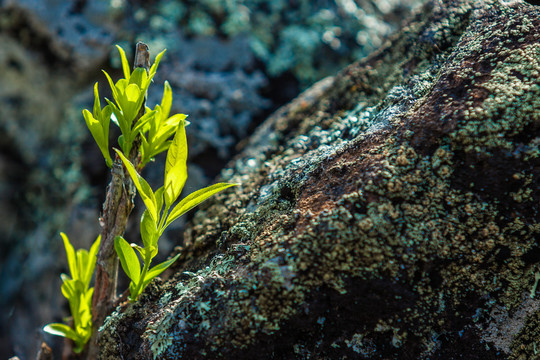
(308, 39)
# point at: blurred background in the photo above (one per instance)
(230, 64)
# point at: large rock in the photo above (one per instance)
(227, 62)
(391, 212)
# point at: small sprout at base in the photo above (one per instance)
(76, 289)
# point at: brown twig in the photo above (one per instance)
(116, 210)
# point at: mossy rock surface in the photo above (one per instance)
(390, 212)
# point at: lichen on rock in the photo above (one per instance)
(390, 211)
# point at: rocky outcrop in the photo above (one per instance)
(389, 212)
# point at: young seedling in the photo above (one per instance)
(144, 134)
(76, 289)
(158, 214)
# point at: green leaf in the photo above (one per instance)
(70, 254)
(122, 143)
(148, 229)
(143, 121)
(111, 84)
(125, 128)
(194, 199)
(159, 198)
(132, 93)
(82, 260)
(168, 128)
(140, 249)
(139, 77)
(166, 100)
(161, 148)
(125, 64)
(158, 269)
(153, 125)
(124, 125)
(97, 106)
(61, 330)
(69, 290)
(94, 126)
(106, 118)
(91, 264)
(88, 300)
(142, 186)
(145, 151)
(100, 132)
(174, 120)
(155, 65)
(105, 122)
(64, 277)
(148, 252)
(130, 102)
(175, 166)
(128, 259)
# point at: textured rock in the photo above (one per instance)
(389, 212)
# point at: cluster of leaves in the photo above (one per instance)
(154, 128)
(158, 214)
(76, 289)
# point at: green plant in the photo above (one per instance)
(158, 214)
(144, 134)
(76, 289)
(129, 94)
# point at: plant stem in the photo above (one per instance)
(147, 261)
(164, 217)
(116, 209)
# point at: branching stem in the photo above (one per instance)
(117, 207)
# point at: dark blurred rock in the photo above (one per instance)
(389, 212)
(75, 32)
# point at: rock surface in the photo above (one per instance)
(391, 212)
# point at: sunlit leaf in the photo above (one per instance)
(128, 259)
(97, 106)
(139, 77)
(175, 166)
(120, 119)
(148, 229)
(159, 198)
(131, 103)
(91, 264)
(82, 260)
(148, 117)
(155, 65)
(158, 269)
(70, 254)
(69, 289)
(166, 101)
(61, 330)
(194, 199)
(100, 133)
(111, 84)
(161, 148)
(125, 64)
(142, 186)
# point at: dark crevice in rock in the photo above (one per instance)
(17, 24)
